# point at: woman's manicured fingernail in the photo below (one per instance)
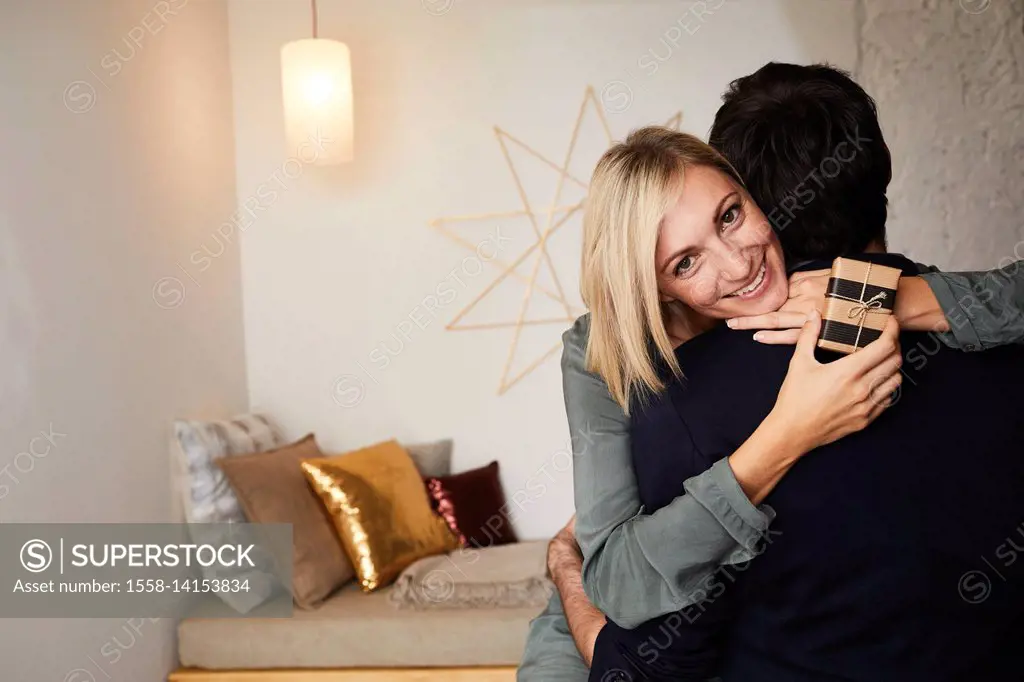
(731, 323)
(759, 336)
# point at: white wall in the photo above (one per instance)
(341, 258)
(96, 207)
(949, 81)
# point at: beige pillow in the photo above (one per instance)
(272, 489)
(433, 459)
(509, 576)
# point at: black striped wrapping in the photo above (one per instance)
(846, 334)
(839, 331)
(847, 288)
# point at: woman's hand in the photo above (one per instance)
(806, 294)
(821, 403)
(818, 404)
(917, 309)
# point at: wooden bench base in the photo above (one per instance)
(501, 674)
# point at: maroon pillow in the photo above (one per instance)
(473, 505)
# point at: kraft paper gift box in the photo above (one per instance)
(858, 301)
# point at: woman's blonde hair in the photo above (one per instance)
(634, 185)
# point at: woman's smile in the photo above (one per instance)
(755, 288)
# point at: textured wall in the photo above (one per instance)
(948, 76)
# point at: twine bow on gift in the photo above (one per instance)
(861, 310)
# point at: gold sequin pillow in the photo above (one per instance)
(376, 499)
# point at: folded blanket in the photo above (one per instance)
(506, 576)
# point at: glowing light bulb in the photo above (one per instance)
(316, 78)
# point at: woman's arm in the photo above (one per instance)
(982, 309)
(635, 566)
(968, 311)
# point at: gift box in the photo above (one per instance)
(858, 301)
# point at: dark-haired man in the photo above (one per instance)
(807, 142)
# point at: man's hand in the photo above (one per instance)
(565, 567)
(806, 294)
(564, 552)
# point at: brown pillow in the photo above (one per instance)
(473, 505)
(272, 489)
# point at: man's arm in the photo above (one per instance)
(694, 635)
(551, 654)
(560, 644)
(565, 566)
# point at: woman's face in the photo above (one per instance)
(717, 253)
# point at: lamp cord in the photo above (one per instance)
(315, 18)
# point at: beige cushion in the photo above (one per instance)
(357, 630)
(505, 576)
(272, 489)
(431, 459)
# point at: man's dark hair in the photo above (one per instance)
(807, 142)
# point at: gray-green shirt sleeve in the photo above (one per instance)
(551, 654)
(636, 566)
(984, 309)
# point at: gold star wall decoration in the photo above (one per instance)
(545, 222)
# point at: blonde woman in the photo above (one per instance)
(618, 359)
(639, 566)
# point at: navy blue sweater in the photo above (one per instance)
(894, 555)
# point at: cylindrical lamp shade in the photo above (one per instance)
(317, 78)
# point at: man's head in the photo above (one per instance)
(807, 142)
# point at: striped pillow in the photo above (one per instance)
(208, 498)
(206, 493)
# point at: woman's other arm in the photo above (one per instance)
(969, 311)
(982, 309)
